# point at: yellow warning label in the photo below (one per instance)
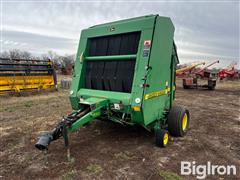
(158, 93)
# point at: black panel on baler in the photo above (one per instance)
(120, 44)
(114, 75)
(89, 70)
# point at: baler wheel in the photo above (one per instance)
(162, 138)
(178, 121)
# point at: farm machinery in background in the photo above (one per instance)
(230, 72)
(189, 69)
(202, 78)
(18, 75)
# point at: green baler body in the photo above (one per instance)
(153, 82)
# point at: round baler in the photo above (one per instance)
(125, 72)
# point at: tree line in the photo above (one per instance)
(60, 61)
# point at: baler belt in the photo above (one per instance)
(120, 44)
(116, 75)
(112, 75)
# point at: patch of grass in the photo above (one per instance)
(94, 169)
(124, 155)
(70, 175)
(28, 104)
(10, 109)
(168, 175)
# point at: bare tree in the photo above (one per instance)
(5, 54)
(65, 63)
(68, 60)
(52, 55)
(14, 53)
(25, 55)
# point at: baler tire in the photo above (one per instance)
(162, 138)
(178, 121)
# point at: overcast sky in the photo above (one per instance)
(204, 31)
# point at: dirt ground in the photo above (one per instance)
(104, 150)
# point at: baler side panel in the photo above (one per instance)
(174, 62)
(78, 78)
(159, 78)
(140, 72)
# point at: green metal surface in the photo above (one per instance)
(113, 97)
(85, 119)
(93, 114)
(95, 101)
(159, 78)
(110, 57)
(157, 81)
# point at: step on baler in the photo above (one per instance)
(125, 72)
(17, 75)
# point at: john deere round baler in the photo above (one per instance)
(125, 72)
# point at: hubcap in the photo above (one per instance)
(165, 139)
(184, 122)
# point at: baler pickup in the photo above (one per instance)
(125, 72)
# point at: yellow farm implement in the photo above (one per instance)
(18, 75)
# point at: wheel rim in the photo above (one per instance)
(165, 139)
(184, 122)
